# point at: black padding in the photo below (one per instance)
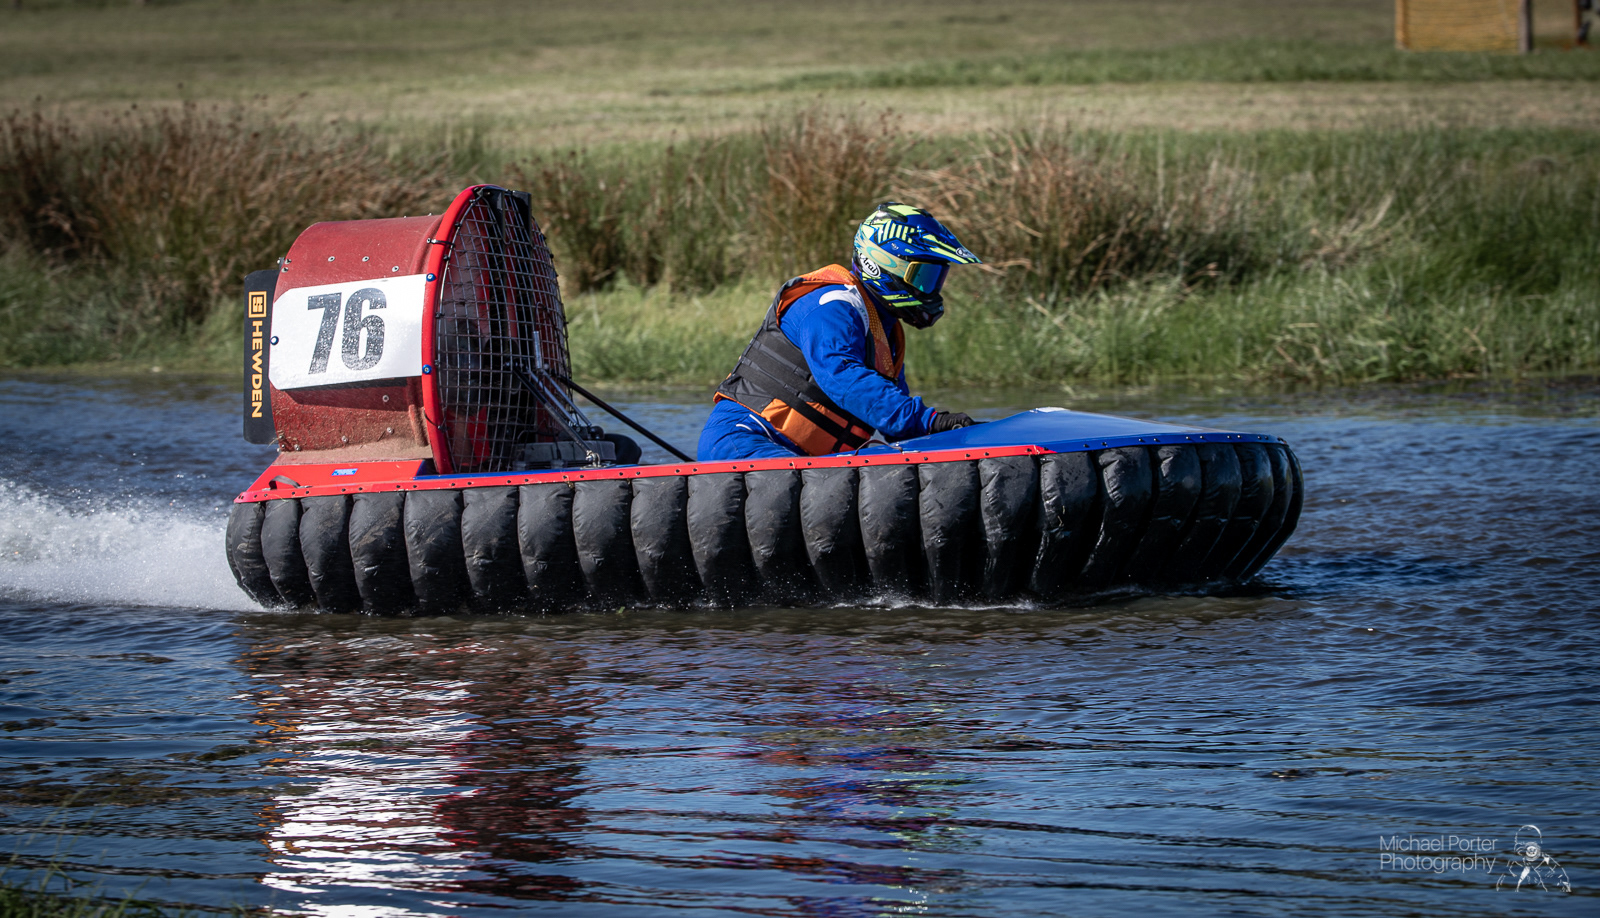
(1061, 523)
(378, 553)
(1177, 484)
(1129, 492)
(549, 553)
(325, 543)
(1287, 495)
(1255, 499)
(604, 539)
(1069, 520)
(832, 530)
(625, 448)
(1008, 504)
(891, 533)
(489, 543)
(1292, 519)
(245, 557)
(280, 546)
(433, 549)
(1219, 492)
(772, 526)
(660, 520)
(947, 509)
(1271, 522)
(717, 537)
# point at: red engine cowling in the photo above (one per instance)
(421, 337)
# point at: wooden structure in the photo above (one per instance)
(1464, 25)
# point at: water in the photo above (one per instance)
(1418, 662)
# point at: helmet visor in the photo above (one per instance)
(926, 276)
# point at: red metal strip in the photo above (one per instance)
(319, 480)
(280, 478)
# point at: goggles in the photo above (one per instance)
(926, 276)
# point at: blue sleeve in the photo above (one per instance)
(829, 326)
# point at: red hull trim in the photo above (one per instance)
(283, 481)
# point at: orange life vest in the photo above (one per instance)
(773, 379)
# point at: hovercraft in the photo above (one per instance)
(414, 374)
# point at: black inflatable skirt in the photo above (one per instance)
(1047, 507)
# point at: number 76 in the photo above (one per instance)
(350, 345)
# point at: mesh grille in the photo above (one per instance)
(498, 303)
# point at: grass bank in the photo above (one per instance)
(531, 74)
(1377, 254)
(127, 238)
(18, 902)
(110, 50)
(38, 898)
(1112, 258)
(1321, 327)
(1234, 60)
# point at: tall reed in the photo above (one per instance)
(1314, 258)
(700, 213)
(1335, 256)
(674, 218)
(823, 173)
(1064, 219)
(1072, 218)
(177, 205)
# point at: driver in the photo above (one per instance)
(827, 367)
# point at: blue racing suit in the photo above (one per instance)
(829, 326)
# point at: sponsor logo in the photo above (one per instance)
(257, 348)
(340, 472)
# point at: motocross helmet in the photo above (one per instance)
(903, 255)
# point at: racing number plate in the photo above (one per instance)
(358, 331)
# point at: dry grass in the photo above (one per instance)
(698, 214)
(668, 218)
(184, 203)
(714, 152)
(1052, 214)
(822, 174)
(1112, 257)
(140, 227)
(1071, 221)
(1373, 255)
(542, 73)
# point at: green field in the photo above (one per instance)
(1238, 192)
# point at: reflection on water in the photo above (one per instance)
(1418, 662)
(427, 766)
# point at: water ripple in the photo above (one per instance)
(1417, 662)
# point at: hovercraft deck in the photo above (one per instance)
(1042, 506)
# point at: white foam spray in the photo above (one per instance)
(121, 554)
